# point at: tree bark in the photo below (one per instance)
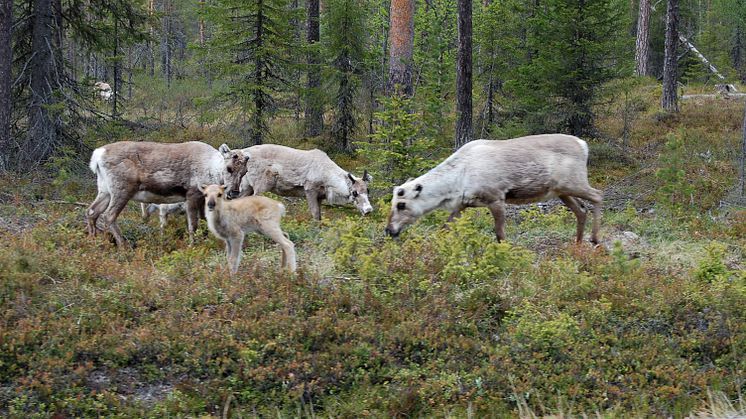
(463, 75)
(401, 47)
(166, 40)
(669, 100)
(117, 70)
(314, 107)
(258, 128)
(6, 61)
(643, 32)
(42, 132)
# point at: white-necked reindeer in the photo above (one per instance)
(490, 174)
(311, 173)
(231, 220)
(161, 174)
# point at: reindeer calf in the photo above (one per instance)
(231, 220)
(164, 211)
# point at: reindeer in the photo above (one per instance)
(310, 173)
(231, 220)
(164, 211)
(103, 89)
(490, 174)
(160, 174)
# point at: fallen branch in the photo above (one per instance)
(714, 96)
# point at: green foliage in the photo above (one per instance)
(675, 192)
(574, 44)
(396, 151)
(345, 44)
(712, 268)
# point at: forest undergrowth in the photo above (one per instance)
(443, 322)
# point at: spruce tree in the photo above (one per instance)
(577, 45)
(346, 43)
(252, 43)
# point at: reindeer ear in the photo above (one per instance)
(222, 187)
(224, 149)
(352, 179)
(418, 189)
(202, 188)
(246, 156)
(367, 177)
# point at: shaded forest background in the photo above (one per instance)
(328, 71)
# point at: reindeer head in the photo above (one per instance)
(236, 163)
(406, 207)
(214, 195)
(359, 191)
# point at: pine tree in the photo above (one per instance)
(6, 65)
(669, 100)
(464, 75)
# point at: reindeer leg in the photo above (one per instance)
(497, 209)
(234, 257)
(94, 211)
(287, 259)
(313, 204)
(596, 198)
(194, 200)
(580, 214)
(116, 205)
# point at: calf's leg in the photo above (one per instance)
(287, 259)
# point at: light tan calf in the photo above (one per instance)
(231, 220)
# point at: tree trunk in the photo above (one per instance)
(643, 31)
(463, 75)
(201, 24)
(115, 93)
(669, 100)
(42, 133)
(401, 46)
(166, 47)
(258, 128)
(6, 61)
(314, 107)
(151, 52)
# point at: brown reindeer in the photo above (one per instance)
(161, 174)
(231, 220)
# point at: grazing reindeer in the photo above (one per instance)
(231, 220)
(310, 173)
(161, 174)
(490, 174)
(164, 211)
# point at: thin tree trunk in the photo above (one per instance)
(151, 51)
(401, 46)
(201, 24)
(669, 100)
(166, 47)
(258, 127)
(463, 75)
(6, 67)
(743, 158)
(643, 31)
(42, 134)
(115, 93)
(314, 108)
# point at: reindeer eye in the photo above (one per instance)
(229, 169)
(401, 206)
(400, 193)
(220, 195)
(354, 193)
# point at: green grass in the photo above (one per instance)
(444, 322)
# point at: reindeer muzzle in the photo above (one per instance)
(211, 205)
(390, 232)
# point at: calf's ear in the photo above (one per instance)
(202, 188)
(352, 178)
(366, 176)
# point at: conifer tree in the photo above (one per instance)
(345, 28)
(252, 41)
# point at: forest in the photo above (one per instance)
(444, 321)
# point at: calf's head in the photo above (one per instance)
(236, 163)
(214, 195)
(359, 192)
(406, 207)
